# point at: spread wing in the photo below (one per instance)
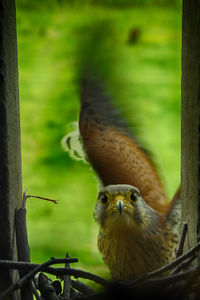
(112, 150)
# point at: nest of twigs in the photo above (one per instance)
(178, 280)
(177, 284)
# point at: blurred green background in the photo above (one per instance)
(147, 86)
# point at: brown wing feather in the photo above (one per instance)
(114, 155)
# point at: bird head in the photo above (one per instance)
(121, 206)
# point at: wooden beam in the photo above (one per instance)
(190, 173)
(10, 154)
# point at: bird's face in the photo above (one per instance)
(121, 206)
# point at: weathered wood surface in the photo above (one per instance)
(10, 154)
(190, 174)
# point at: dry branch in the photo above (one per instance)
(184, 230)
(29, 276)
(170, 266)
(25, 197)
(67, 281)
(55, 271)
(82, 287)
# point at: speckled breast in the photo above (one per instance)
(129, 257)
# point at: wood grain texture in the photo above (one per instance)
(190, 118)
(10, 154)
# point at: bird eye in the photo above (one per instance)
(133, 196)
(104, 199)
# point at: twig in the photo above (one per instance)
(158, 284)
(43, 198)
(25, 196)
(67, 282)
(170, 266)
(82, 287)
(171, 279)
(27, 266)
(30, 275)
(78, 274)
(184, 265)
(184, 230)
(56, 271)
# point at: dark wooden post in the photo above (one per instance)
(190, 180)
(10, 154)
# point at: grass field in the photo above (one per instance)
(48, 37)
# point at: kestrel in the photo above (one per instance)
(138, 227)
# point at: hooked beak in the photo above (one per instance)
(120, 206)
